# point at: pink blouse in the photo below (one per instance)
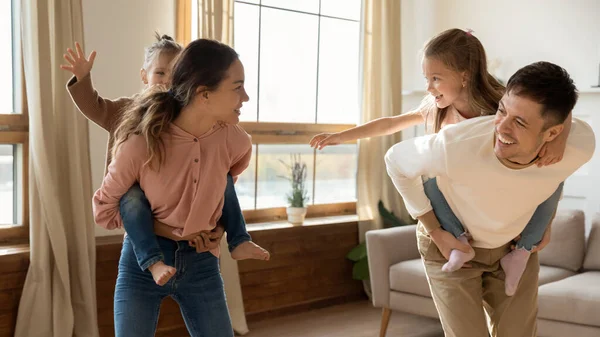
(187, 192)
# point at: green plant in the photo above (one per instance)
(298, 197)
(358, 254)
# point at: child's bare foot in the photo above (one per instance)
(161, 273)
(250, 250)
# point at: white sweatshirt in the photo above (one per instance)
(493, 202)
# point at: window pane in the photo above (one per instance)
(347, 9)
(7, 192)
(245, 187)
(339, 72)
(249, 1)
(310, 6)
(336, 174)
(288, 63)
(6, 59)
(273, 186)
(246, 45)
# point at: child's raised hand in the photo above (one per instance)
(552, 152)
(80, 66)
(323, 139)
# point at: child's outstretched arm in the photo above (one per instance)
(552, 152)
(379, 127)
(101, 111)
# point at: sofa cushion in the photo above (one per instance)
(575, 299)
(592, 257)
(553, 274)
(567, 244)
(409, 277)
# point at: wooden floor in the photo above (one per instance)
(358, 319)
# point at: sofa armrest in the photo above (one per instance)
(386, 247)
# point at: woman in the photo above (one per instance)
(180, 152)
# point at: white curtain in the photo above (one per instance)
(381, 97)
(59, 295)
(215, 21)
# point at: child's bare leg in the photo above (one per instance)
(514, 264)
(161, 273)
(250, 250)
(458, 258)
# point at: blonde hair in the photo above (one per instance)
(164, 45)
(461, 51)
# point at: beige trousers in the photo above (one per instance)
(471, 301)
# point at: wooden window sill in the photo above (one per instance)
(23, 249)
(308, 222)
(14, 249)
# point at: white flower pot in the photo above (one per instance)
(296, 215)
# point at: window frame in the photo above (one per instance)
(14, 130)
(264, 133)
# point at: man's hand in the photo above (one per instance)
(545, 240)
(541, 245)
(207, 240)
(446, 242)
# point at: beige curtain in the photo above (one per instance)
(215, 21)
(233, 290)
(381, 97)
(59, 296)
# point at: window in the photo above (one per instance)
(301, 59)
(14, 132)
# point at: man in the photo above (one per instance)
(485, 168)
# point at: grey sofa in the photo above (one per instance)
(569, 291)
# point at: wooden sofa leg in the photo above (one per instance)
(385, 319)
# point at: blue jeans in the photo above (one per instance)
(138, 221)
(197, 287)
(531, 235)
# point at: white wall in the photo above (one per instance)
(118, 31)
(514, 32)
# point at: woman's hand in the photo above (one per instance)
(207, 240)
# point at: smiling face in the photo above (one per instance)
(224, 103)
(159, 71)
(520, 129)
(444, 84)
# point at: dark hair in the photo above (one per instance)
(164, 45)
(549, 85)
(203, 63)
(462, 51)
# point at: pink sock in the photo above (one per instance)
(458, 258)
(514, 264)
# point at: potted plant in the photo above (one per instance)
(298, 197)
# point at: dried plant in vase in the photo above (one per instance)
(298, 197)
